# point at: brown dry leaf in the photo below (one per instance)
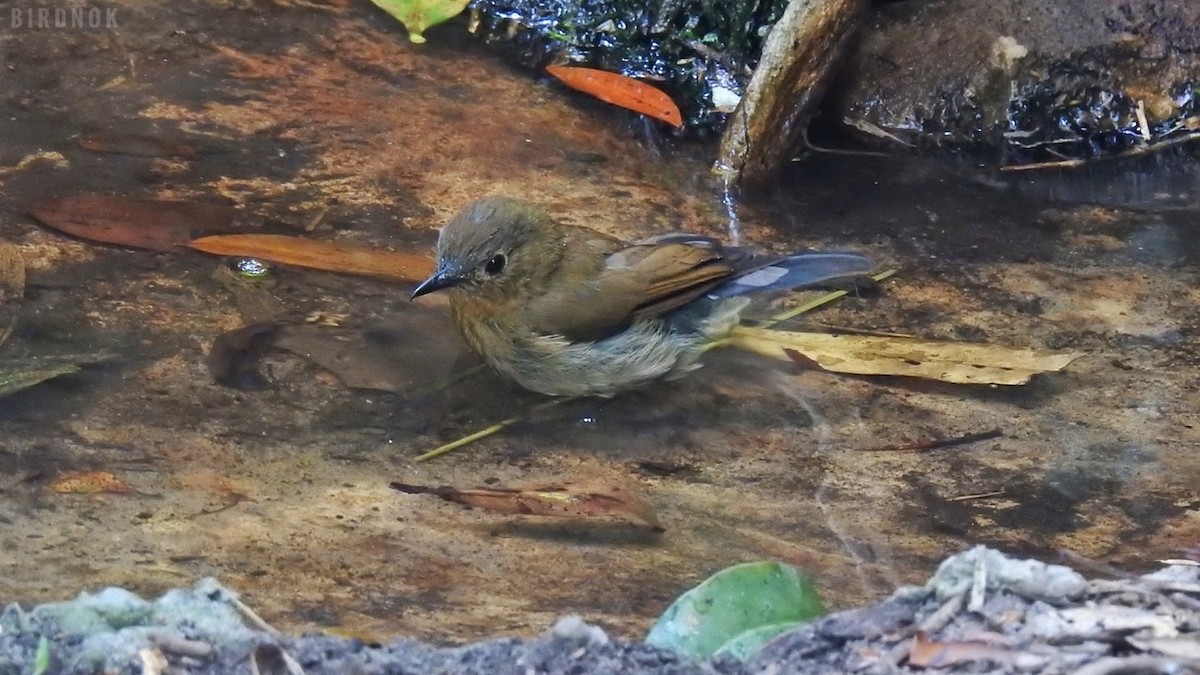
(141, 223)
(88, 483)
(958, 362)
(926, 653)
(571, 499)
(135, 144)
(320, 255)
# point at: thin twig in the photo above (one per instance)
(937, 443)
(846, 330)
(839, 151)
(981, 495)
(1093, 565)
(258, 622)
(979, 580)
(488, 431)
(818, 302)
(1137, 151)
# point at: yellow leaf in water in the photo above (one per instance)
(958, 362)
(417, 15)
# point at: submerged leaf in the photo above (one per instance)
(319, 255)
(620, 90)
(571, 499)
(16, 378)
(417, 15)
(141, 223)
(89, 482)
(233, 358)
(18, 374)
(733, 601)
(12, 288)
(958, 362)
(135, 144)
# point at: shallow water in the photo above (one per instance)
(283, 493)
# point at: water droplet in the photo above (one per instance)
(252, 268)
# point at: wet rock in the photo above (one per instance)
(1108, 624)
(796, 64)
(1030, 579)
(1037, 80)
(699, 52)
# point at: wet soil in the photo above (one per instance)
(282, 493)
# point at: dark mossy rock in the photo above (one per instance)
(701, 52)
(1019, 82)
(1028, 80)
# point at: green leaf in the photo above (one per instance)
(732, 602)
(41, 660)
(417, 15)
(744, 645)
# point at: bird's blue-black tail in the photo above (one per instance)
(795, 271)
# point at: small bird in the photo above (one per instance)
(567, 311)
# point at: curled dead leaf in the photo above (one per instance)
(927, 653)
(571, 499)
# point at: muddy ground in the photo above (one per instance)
(282, 493)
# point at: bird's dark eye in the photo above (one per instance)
(495, 265)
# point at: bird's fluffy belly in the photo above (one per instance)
(644, 352)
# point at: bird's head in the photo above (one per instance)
(494, 248)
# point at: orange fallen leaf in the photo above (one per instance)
(620, 90)
(141, 223)
(926, 653)
(89, 483)
(319, 255)
(572, 499)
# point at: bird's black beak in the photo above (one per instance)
(443, 278)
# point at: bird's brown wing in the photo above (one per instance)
(637, 281)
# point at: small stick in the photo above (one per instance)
(1137, 151)
(488, 431)
(981, 495)
(817, 302)
(182, 646)
(938, 443)
(1093, 565)
(316, 220)
(931, 625)
(252, 615)
(978, 594)
(846, 330)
